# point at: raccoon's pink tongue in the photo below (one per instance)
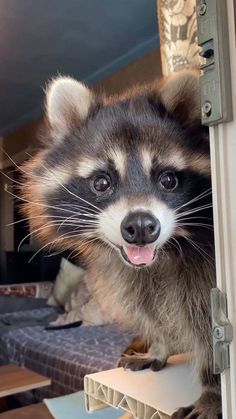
(139, 255)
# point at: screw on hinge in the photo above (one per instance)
(206, 109)
(218, 333)
(201, 9)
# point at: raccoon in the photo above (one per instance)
(125, 183)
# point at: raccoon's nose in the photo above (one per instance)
(140, 228)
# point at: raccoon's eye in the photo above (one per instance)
(101, 183)
(168, 181)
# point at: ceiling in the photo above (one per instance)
(88, 39)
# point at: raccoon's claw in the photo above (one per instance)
(138, 362)
(191, 413)
(207, 407)
(183, 412)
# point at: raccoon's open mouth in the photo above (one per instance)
(139, 256)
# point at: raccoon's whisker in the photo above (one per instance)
(68, 190)
(79, 229)
(56, 252)
(79, 207)
(76, 233)
(39, 203)
(201, 251)
(75, 251)
(42, 248)
(46, 226)
(78, 250)
(14, 163)
(45, 216)
(79, 218)
(11, 179)
(52, 242)
(31, 218)
(71, 253)
(196, 217)
(193, 210)
(178, 246)
(78, 197)
(65, 221)
(78, 226)
(76, 223)
(79, 221)
(86, 242)
(30, 234)
(173, 244)
(209, 226)
(197, 249)
(93, 239)
(200, 196)
(163, 252)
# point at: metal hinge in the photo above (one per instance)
(213, 38)
(222, 331)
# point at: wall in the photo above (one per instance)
(87, 39)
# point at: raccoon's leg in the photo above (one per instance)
(155, 358)
(208, 406)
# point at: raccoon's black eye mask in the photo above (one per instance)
(105, 187)
(103, 183)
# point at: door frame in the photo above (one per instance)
(223, 164)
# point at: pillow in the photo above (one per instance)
(81, 307)
(67, 279)
(31, 289)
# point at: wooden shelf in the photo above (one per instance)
(14, 379)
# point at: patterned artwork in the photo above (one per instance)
(178, 34)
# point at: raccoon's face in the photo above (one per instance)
(127, 173)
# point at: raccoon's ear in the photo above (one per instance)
(180, 95)
(67, 104)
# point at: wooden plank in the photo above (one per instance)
(15, 379)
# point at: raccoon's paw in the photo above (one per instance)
(136, 346)
(207, 407)
(138, 362)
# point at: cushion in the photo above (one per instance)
(69, 276)
(12, 304)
